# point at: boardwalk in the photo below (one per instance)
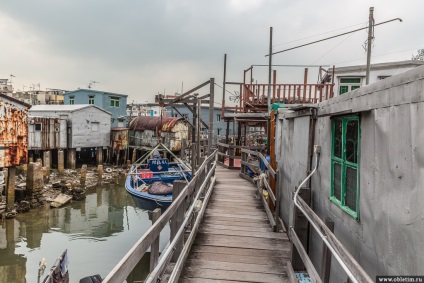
(235, 242)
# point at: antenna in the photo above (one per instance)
(91, 83)
(11, 76)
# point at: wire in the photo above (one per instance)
(318, 34)
(325, 54)
(226, 90)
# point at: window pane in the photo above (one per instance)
(351, 188)
(338, 138)
(337, 177)
(352, 141)
(344, 89)
(350, 80)
(117, 103)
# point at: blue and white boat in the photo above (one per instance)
(149, 182)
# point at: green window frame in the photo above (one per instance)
(114, 102)
(349, 84)
(91, 99)
(345, 164)
(72, 100)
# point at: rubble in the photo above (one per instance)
(52, 185)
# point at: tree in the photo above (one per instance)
(419, 56)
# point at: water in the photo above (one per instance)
(97, 232)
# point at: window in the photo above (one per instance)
(345, 164)
(94, 126)
(91, 99)
(349, 84)
(72, 100)
(38, 127)
(114, 102)
(120, 122)
(218, 117)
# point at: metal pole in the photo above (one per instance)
(370, 38)
(269, 67)
(211, 111)
(223, 86)
(199, 129)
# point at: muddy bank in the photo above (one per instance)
(68, 185)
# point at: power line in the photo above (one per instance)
(318, 34)
(331, 37)
(326, 53)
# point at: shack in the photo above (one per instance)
(369, 182)
(88, 130)
(119, 144)
(46, 134)
(148, 131)
(13, 142)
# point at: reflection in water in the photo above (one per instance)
(97, 232)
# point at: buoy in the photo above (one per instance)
(108, 170)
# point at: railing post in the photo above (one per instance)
(277, 201)
(154, 248)
(231, 153)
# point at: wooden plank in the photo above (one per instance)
(234, 275)
(154, 249)
(235, 228)
(249, 259)
(217, 205)
(230, 221)
(236, 266)
(252, 234)
(240, 216)
(239, 242)
(238, 213)
(249, 252)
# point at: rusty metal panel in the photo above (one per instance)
(171, 132)
(119, 138)
(13, 132)
(46, 133)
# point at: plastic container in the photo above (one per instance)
(146, 173)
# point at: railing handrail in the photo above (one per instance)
(258, 154)
(124, 267)
(340, 253)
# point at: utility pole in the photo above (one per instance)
(269, 67)
(370, 38)
(269, 89)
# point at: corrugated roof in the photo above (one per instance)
(4, 96)
(69, 108)
(152, 123)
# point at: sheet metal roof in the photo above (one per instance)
(68, 108)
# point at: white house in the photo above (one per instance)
(352, 77)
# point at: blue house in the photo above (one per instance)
(112, 102)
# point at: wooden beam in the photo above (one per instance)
(326, 255)
(154, 249)
(291, 274)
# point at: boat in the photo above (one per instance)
(150, 179)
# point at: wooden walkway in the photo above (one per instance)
(235, 242)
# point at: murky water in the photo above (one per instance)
(97, 232)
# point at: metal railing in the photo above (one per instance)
(180, 221)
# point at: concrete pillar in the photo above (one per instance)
(117, 157)
(83, 176)
(128, 162)
(60, 161)
(39, 160)
(46, 159)
(34, 181)
(134, 155)
(10, 189)
(46, 174)
(72, 158)
(99, 174)
(99, 155)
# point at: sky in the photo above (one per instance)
(142, 48)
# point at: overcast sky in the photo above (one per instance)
(141, 48)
